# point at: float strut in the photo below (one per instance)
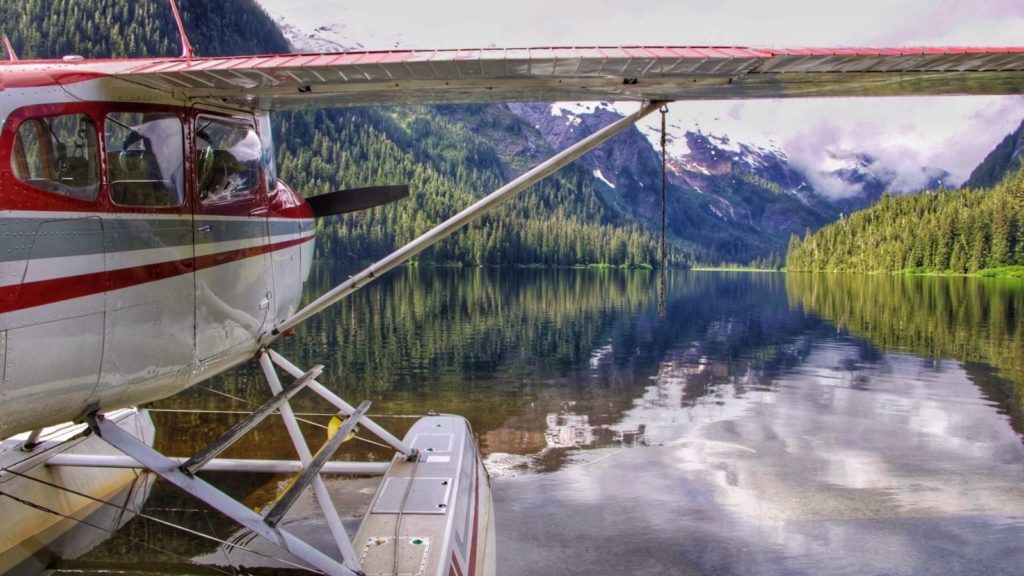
(323, 497)
(248, 423)
(340, 404)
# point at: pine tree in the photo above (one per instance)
(961, 231)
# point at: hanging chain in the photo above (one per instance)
(663, 259)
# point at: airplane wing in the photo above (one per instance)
(596, 73)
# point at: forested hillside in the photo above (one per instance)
(562, 221)
(1005, 158)
(137, 28)
(957, 232)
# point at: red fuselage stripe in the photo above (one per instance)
(42, 292)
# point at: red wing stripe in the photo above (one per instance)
(42, 292)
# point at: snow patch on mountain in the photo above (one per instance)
(319, 41)
(675, 147)
(319, 27)
(597, 174)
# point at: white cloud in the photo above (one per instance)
(904, 134)
(463, 23)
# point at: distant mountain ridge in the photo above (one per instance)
(738, 201)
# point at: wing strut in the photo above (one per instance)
(10, 49)
(186, 46)
(446, 228)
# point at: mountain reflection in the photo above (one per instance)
(765, 440)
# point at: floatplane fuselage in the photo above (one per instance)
(147, 244)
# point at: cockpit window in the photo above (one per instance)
(227, 161)
(145, 159)
(58, 154)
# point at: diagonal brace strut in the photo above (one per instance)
(302, 481)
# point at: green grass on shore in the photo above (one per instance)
(1002, 272)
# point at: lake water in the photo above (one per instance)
(767, 424)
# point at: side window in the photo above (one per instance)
(145, 159)
(269, 164)
(227, 161)
(58, 154)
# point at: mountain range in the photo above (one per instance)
(738, 200)
(1006, 157)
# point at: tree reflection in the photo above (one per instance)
(974, 320)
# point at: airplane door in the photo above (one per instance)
(232, 262)
(149, 330)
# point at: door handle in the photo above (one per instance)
(203, 228)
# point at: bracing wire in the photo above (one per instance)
(44, 509)
(662, 258)
(401, 513)
(297, 416)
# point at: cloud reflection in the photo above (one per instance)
(849, 462)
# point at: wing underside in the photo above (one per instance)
(538, 74)
(665, 73)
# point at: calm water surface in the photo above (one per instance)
(768, 424)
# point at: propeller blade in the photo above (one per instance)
(344, 201)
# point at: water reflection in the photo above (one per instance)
(780, 444)
(568, 430)
(768, 424)
(967, 319)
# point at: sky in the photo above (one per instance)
(952, 133)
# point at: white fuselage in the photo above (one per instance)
(134, 267)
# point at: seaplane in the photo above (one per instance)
(147, 244)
